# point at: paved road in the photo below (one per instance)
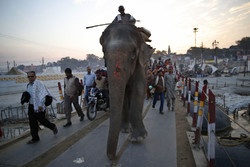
(89, 143)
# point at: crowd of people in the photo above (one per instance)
(161, 81)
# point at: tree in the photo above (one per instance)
(244, 44)
(92, 59)
(67, 62)
(159, 53)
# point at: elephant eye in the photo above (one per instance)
(133, 54)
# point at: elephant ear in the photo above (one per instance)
(146, 53)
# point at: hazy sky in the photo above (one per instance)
(32, 29)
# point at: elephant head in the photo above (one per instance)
(125, 55)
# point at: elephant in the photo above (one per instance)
(125, 55)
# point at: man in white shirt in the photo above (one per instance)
(124, 17)
(170, 81)
(88, 81)
(36, 110)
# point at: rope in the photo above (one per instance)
(234, 121)
(222, 146)
(234, 141)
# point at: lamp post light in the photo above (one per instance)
(195, 30)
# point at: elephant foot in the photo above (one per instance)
(138, 135)
(125, 128)
(111, 156)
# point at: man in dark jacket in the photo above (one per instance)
(159, 90)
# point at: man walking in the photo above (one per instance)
(159, 90)
(71, 84)
(88, 81)
(170, 82)
(36, 110)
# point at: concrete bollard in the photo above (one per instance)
(60, 90)
(189, 95)
(211, 130)
(60, 106)
(178, 78)
(182, 87)
(185, 92)
(195, 104)
(200, 115)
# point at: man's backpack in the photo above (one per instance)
(79, 88)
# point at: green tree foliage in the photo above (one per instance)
(93, 60)
(244, 44)
(159, 53)
(206, 52)
(80, 65)
(21, 67)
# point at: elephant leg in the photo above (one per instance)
(116, 106)
(137, 100)
(125, 114)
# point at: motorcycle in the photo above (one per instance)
(97, 102)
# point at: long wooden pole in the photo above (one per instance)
(103, 25)
(98, 25)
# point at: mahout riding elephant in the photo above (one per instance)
(125, 55)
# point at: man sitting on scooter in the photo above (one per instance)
(101, 83)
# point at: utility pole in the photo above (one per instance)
(202, 49)
(8, 65)
(42, 60)
(195, 30)
(43, 66)
(245, 68)
(215, 44)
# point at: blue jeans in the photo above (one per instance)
(156, 95)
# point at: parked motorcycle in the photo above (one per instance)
(97, 102)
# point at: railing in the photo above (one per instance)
(206, 97)
(14, 120)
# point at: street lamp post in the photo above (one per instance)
(195, 30)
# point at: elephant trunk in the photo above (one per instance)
(116, 94)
